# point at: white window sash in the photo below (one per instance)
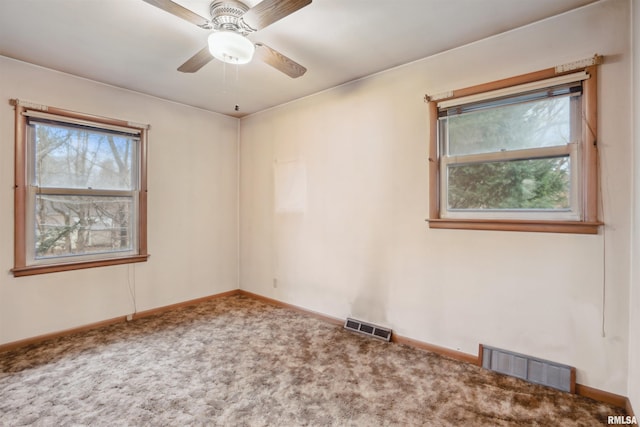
(501, 156)
(34, 191)
(82, 192)
(573, 214)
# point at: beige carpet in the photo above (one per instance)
(236, 361)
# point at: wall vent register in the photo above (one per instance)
(532, 369)
(368, 329)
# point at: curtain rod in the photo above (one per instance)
(558, 70)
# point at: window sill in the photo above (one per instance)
(573, 227)
(53, 268)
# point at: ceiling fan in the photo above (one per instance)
(231, 22)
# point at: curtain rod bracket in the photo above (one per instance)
(438, 96)
(31, 105)
(583, 63)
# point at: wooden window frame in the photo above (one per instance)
(21, 190)
(589, 223)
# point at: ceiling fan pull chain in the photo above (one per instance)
(235, 90)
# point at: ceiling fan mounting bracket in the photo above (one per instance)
(226, 15)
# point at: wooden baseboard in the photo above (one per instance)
(159, 310)
(40, 338)
(453, 354)
(278, 303)
(443, 351)
(120, 319)
(582, 390)
(629, 408)
(602, 396)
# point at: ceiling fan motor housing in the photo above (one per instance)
(226, 15)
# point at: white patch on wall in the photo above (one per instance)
(290, 186)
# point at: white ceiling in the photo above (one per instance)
(133, 45)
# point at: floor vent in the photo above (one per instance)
(532, 369)
(368, 329)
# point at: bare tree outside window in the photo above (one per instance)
(80, 193)
(84, 179)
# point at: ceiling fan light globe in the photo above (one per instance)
(231, 47)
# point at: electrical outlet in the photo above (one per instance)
(275, 283)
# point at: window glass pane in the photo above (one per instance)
(80, 225)
(511, 185)
(536, 124)
(72, 157)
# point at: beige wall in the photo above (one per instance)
(634, 306)
(360, 246)
(192, 221)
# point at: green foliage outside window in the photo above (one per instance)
(517, 181)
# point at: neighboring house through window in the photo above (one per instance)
(80, 191)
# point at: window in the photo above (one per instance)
(518, 154)
(80, 188)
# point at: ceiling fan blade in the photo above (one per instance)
(279, 61)
(269, 11)
(197, 61)
(180, 12)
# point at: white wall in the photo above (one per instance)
(634, 305)
(192, 203)
(361, 246)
